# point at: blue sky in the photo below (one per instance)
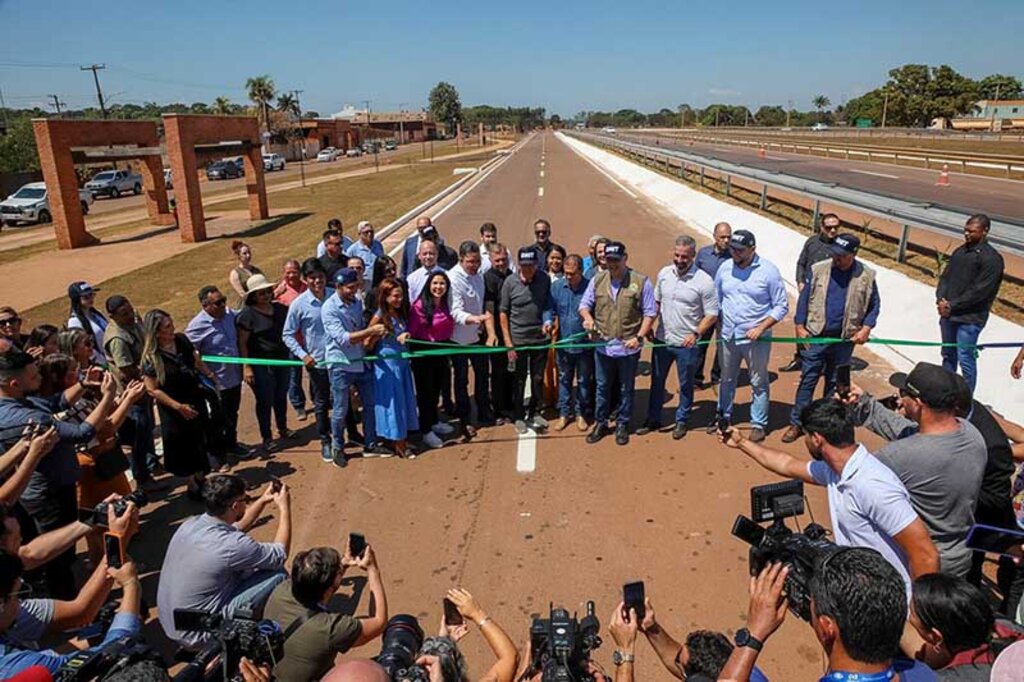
(565, 56)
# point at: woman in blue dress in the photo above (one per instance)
(393, 392)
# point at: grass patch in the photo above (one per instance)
(172, 284)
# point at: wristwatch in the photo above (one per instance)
(744, 638)
(620, 657)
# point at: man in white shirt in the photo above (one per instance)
(868, 503)
(467, 294)
(427, 255)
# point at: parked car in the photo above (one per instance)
(273, 162)
(168, 180)
(371, 147)
(327, 154)
(31, 205)
(819, 126)
(390, 145)
(114, 183)
(353, 151)
(608, 130)
(222, 170)
(239, 162)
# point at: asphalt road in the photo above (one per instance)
(972, 193)
(581, 520)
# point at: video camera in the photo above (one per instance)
(261, 641)
(801, 551)
(560, 645)
(97, 516)
(400, 646)
(112, 658)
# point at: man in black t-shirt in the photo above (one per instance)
(501, 383)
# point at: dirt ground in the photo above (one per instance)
(587, 518)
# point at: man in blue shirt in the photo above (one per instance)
(367, 248)
(345, 328)
(578, 363)
(753, 300)
(212, 331)
(709, 259)
(839, 301)
(305, 337)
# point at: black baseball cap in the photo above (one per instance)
(932, 384)
(115, 302)
(614, 251)
(527, 256)
(742, 239)
(845, 245)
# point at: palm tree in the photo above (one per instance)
(288, 104)
(222, 106)
(821, 102)
(261, 91)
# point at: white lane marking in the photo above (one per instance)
(542, 164)
(602, 171)
(540, 191)
(877, 175)
(526, 447)
(542, 174)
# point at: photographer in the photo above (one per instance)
(14, 658)
(623, 628)
(501, 644)
(211, 562)
(314, 634)
(24, 456)
(50, 497)
(939, 457)
(867, 502)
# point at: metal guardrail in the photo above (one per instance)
(849, 131)
(1010, 162)
(1006, 234)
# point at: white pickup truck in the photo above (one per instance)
(114, 183)
(31, 205)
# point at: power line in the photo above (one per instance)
(96, 68)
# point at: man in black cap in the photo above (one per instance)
(939, 457)
(527, 320)
(839, 300)
(816, 249)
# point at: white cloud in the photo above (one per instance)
(724, 92)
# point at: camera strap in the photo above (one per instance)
(841, 676)
(298, 623)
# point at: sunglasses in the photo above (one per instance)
(540, 232)
(9, 321)
(219, 302)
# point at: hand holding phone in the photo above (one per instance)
(634, 598)
(275, 485)
(114, 548)
(843, 381)
(356, 545)
(723, 425)
(452, 617)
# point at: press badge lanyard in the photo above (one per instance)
(841, 676)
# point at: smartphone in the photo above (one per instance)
(633, 598)
(275, 485)
(723, 425)
(114, 549)
(843, 381)
(451, 613)
(356, 545)
(994, 540)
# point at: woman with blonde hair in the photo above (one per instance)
(241, 273)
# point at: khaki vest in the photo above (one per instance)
(858, 297)
(619, 318)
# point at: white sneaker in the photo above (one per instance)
(442, 429)
(432, 441)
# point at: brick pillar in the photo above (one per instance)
(255, 185)
(152, 169)
(61, 187)
(187, 195)
(483, 140)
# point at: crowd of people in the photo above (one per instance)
(378, 352)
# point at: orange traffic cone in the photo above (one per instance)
(943, 176)
(761, 153)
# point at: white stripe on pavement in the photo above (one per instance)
(526, 453)
(877, 175)
(542, 174)
(540, 191)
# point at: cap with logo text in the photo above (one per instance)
(345, 276)
(742, 239)
(845, 245)
(614, 251)
(932, 384)
(527, 255)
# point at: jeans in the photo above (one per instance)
(320, 394)
(817, 359)
(702, 357)
(966, 335)
(532, 361)
(612, 372)
(58, 508)
(581, 367)
(253, 592)
(271, 391)
(662, 358)
(296, 396)
(138, 430)
(341, 383)
(481, 393)
(756, 355)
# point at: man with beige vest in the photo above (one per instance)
(840, 300)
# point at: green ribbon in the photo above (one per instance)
(442, 348)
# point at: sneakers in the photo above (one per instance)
(301, 413)
(431, 440)
(442, 429)
(339, 459)
(599, 432)
(538, 423)
(792, 366)
(622, 435)
(756, 435)
(377, 450)
(562, 423)
(647, 427)
(520, 427)
(326, 452)
(582, 424)
(713, 424)
(792, 433)
(679, 431)
(285, 434)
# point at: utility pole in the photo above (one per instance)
(96, 68)
(746, 116)
(994, 105)
(3, 108)
(789, 110)
(302, 138)
(56, 103)
(376, 154)
(885, 107)
(401, 122)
